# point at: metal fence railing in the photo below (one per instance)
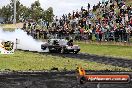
(105, 37)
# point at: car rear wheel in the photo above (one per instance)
(76, 52)
(51, 51)
(43, 47)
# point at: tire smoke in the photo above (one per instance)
(25, 42)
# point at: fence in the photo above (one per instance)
(95, 37)
(105, 37)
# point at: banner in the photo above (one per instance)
(6, 47)
(101, 78)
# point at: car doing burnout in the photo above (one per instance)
(60, 45)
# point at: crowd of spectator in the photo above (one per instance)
(107, 21)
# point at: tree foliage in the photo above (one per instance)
(35, 12)
(49, 14)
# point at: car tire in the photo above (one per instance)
(76, 52)
(44, 48)
(51, 51)
(67, 52)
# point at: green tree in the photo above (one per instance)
(6, 12)
(36, 11)
(22, 12)
(19, 6)
(39, 13)
(25, 13)
(49, 14)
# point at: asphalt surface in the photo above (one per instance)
(99, 59)
(52, 80)
(120, 62)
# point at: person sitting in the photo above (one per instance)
(70, 43)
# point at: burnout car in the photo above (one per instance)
(61, 46)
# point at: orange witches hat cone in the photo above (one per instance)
(81, 71)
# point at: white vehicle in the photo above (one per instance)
(61, 46)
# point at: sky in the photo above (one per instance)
(59, 6)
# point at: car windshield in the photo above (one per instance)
(52, 41)
(63, 42)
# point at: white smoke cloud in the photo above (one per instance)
(26, 42)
